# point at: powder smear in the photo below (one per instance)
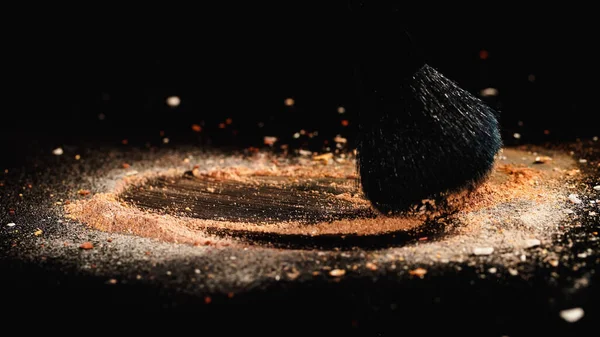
(521, 200)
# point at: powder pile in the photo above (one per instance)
(521, 201)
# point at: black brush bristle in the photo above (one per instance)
(420, 134)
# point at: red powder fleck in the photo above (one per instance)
(483, 54)
(418, 272)
(345, 122)
(86, 245)
(196, 128)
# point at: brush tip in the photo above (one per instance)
(430, 138)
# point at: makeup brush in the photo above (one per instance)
(421, 136)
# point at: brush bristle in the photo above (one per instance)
(430, 138)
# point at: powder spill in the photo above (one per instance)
(521, 201)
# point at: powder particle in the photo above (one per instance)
(542, 159)
(337, 272)
(293, 274)
(86, 245)
(37, 232)
(371, 266)
(572, 315)
(418, 272)
(11, 224)
(597, 187)
(530, 243)
(483, 250)
(574, 198)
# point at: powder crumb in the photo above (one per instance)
(572, 315)
(483, 250)
(420, 272)
(37, 232)
(513, 271)
(597, 187)
(530, 243)
(11, 224)
(86, 245)
(542, 159)
(574, 198)
(293, 274)
(207, 299)
(337, 272)
(58, 151)
(323, 157)
(83, 192)
(492, 270)
(112, 281)
(371, 266)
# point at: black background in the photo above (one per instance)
(64, 66)
(242, 61)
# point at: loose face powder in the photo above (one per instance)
(221, 200)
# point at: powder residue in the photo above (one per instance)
(520, 200)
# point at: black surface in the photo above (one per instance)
(451, 298)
